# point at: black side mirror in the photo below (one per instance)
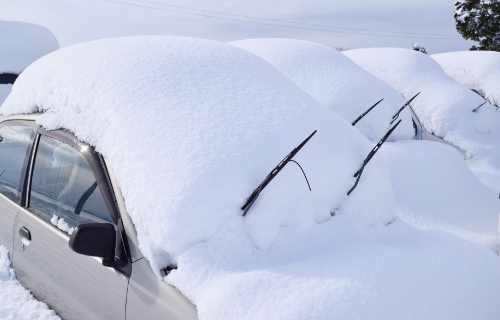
(94, 239)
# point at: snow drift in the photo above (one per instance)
(444, 107)
(192, 127)
(22, 43)
(337, 82)
(15, 301)
(477, 70)
(435, 190)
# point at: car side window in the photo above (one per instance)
(63, 187)
(15, 143)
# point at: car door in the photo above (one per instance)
(66, 189)
(16, 139)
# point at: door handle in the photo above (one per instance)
(25, 235)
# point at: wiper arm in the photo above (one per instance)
(396, 116)
(371, 154)
(366, 112)
(248, 204)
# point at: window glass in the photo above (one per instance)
(63, 187)
(15, 142)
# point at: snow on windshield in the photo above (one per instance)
(337, 82)
(444, 107)
(477, 70)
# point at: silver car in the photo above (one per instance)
(71, 240)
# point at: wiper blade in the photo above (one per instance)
(482, 104)
(248, 204)
(396, 116)
(371, 154)
(366, 112)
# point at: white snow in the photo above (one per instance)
(338, 271)
(22, 43)
(444, 107)
(61, 224)
(434, 189)
(337, 82)
(192, 127)
(4, 92)
(477, 70)
(15, 301)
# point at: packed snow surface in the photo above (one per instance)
(192, 127)
(477, 70)
(22, 43)
(15, 301)
(444, 107)
(4, 92)
(339, 271)
(337, 82)
(435, 190)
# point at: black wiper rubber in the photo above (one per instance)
(371, 154)
(248, 204)
(366, 112)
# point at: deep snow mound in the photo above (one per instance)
(477, 70)
(22, 43)
(337, 82)
(192, 127)
(384, 272)
(444, 107)
(435, 190)
(15, 301)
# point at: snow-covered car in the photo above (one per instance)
(71, 189)
(125, 164)
(21, 43)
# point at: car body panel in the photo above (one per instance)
(149, 297)
(8, 212)
(75, 286)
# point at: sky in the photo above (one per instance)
(345, 24)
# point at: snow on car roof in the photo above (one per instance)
(22, 43)
(477, 70)
(337, 82)
(444, 107)
(192, 127)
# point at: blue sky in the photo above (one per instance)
(395, 23)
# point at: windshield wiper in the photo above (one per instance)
(248, 204)
(366, 112)
(396, 116)
(371, 154)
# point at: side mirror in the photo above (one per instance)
(94, 239)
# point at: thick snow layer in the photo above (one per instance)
(337, 82)
(22, 43)
(337, 271)
(477, 70)
(444, 107)
(192, 127)
(434, 189)
(4, 92)
(15, 301)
